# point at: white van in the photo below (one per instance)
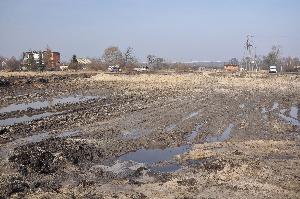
(273, 69)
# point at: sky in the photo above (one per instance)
(177, 30)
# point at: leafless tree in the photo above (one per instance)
(13, 64)
(47, 57)
(180, 67)
(155, 63)
(3, 61)
(96, 64)
(273, 58)
(130, 61)
(234, 61)
(113, 56)
(290, 64)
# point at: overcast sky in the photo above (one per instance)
(178, 30)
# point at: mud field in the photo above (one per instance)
(195, 135)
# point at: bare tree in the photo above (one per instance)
(128, 55)
(3, 61)
(290, 64)
(273, 57)
(155, 62)
(180, 67)
(151, 59)
(13, 64)
(130, 61)
(96, 64)
(113, 56)
(47, 57)
(234, 61)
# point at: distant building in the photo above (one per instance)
(54, 59)
(231, 68)
(34, 57)
(83, 61)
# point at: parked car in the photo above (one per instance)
(273, 69)
(115, 68)
(142, 69)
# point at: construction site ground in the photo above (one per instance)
(157, 135)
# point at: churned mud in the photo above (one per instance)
(191, 135)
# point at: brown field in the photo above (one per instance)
(165, 135)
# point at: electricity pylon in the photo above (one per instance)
(250, 62)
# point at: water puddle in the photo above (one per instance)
(44, 104)
(220, 138)
(150, 156)
(195, 132)
(282, 111)
(68, 134)
(275, 106)
(294, 112)
(25, 118)
(171, 127)
(191, 115)
(134, 134)
(265, 117)
(264, 110)
(290, 120)
(4, 152)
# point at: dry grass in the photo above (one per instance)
(198, 80)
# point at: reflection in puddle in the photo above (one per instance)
(294, 112)
(171, 127)
(25, 118)
(134, 134)
(264, 110)
(282, 111)
(40, 137)
(44, 104)
(150, 156)
(290, 120)
(293, 119)
(220, 138)
(153, 156)
(275, 106)
(265, 117)
(191, 115)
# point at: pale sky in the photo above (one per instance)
(178, 30)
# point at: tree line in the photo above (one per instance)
(127, 61)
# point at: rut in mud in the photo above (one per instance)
(149, 136)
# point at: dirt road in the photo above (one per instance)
(192, 135)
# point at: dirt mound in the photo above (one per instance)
(38, 160)
(48, 156)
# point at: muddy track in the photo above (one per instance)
(150, 136)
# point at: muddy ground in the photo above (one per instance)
(167, 135)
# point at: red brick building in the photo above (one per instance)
(54, 59)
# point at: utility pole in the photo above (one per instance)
(250, 54)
